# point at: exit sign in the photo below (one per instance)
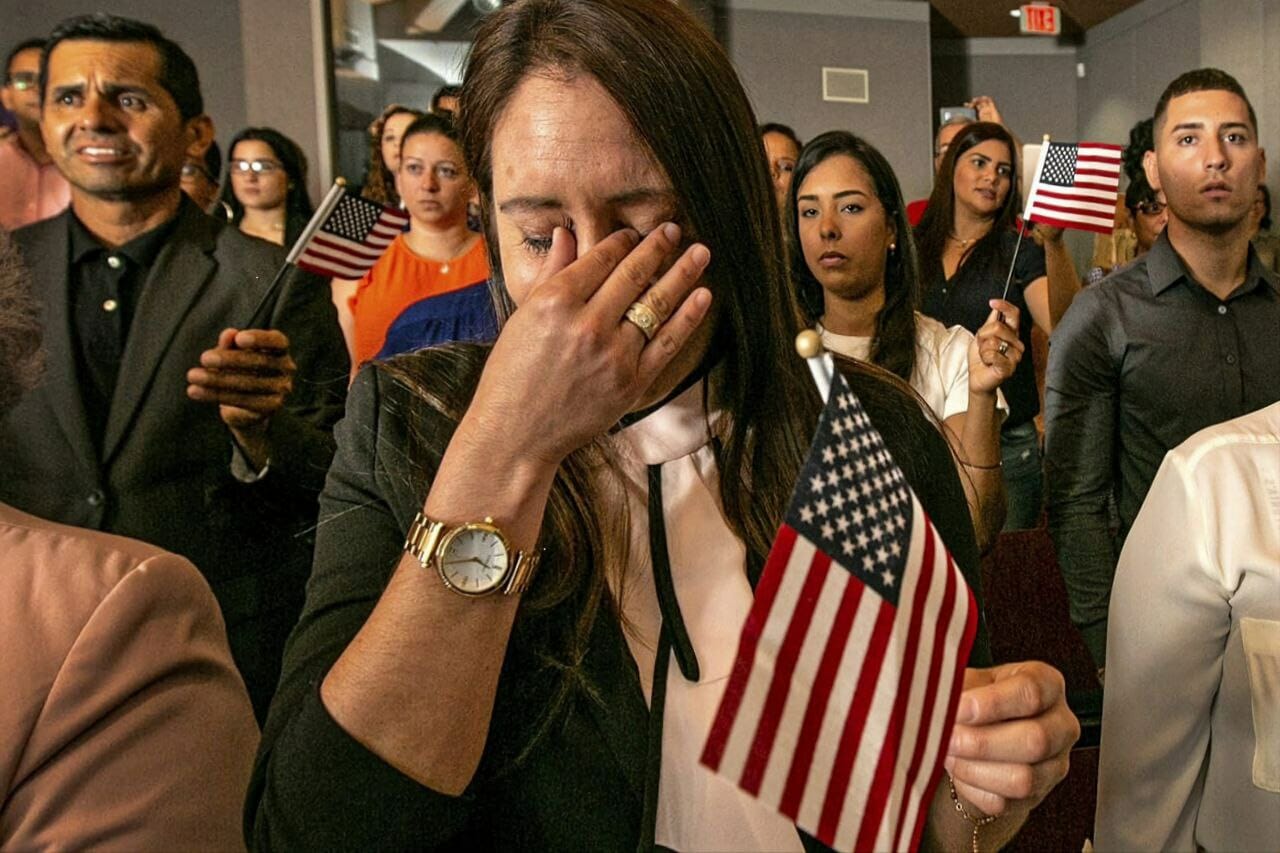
(1040, 20)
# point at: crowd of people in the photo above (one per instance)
(406, 563)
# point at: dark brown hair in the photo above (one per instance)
(178, 75)
(939, 217)
(1202, 80)
(683, 99)
(438, 123)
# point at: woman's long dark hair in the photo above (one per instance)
(683, 98)
(894, 346)
(939, 218)
(297, 204)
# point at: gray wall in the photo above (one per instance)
(1129, 60)
(781, 46)
(282, 45)
(1033, 81)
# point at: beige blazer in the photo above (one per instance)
(123, 722)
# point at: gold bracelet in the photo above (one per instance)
(977, 822)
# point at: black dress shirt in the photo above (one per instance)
(962, 301)
(105, 286)
(1138, 364)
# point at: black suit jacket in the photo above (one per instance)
(164, 472)
(575, 784)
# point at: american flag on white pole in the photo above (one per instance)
(1076, 185)
(347, 235)
(841, 701)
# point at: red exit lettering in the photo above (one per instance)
(1040, 19)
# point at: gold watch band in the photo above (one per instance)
(424, 539)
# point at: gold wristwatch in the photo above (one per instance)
(473, 559)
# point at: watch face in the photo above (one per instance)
(474, 560)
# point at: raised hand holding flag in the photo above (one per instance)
(1075, 185)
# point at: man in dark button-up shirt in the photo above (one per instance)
(1185, 337)
(105, 286)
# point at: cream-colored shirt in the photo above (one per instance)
(941, 373)
(697, 809)
(1191, 716)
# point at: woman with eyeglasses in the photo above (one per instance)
(266, 187)
(966, 242)
(854, 263)
(439, 254)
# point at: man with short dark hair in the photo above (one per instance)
(31, 187)
(162, 417)
(1183, 338)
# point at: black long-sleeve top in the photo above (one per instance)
(1139, 363)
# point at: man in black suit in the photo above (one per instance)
(160, 418)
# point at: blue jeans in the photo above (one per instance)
(1020, 458)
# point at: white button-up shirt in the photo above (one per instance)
(1191, 719)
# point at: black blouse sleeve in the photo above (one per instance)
(1030, 264)
(314, 786)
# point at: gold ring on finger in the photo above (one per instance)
(644, 318)
(1003, 348)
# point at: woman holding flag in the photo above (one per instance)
(594, 496)
(854, 264)
(969, 249)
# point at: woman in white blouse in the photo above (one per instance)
(854, 262)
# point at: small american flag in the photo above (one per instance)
(1076, 186)
(840, 704)
(347, 235)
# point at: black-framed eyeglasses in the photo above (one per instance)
(258, 167)
(23, 80)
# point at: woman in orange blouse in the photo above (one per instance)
(438, 254)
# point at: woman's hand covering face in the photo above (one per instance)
(573, 190)
(568, 365)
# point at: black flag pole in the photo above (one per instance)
(261, 313)
(1026, 211)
